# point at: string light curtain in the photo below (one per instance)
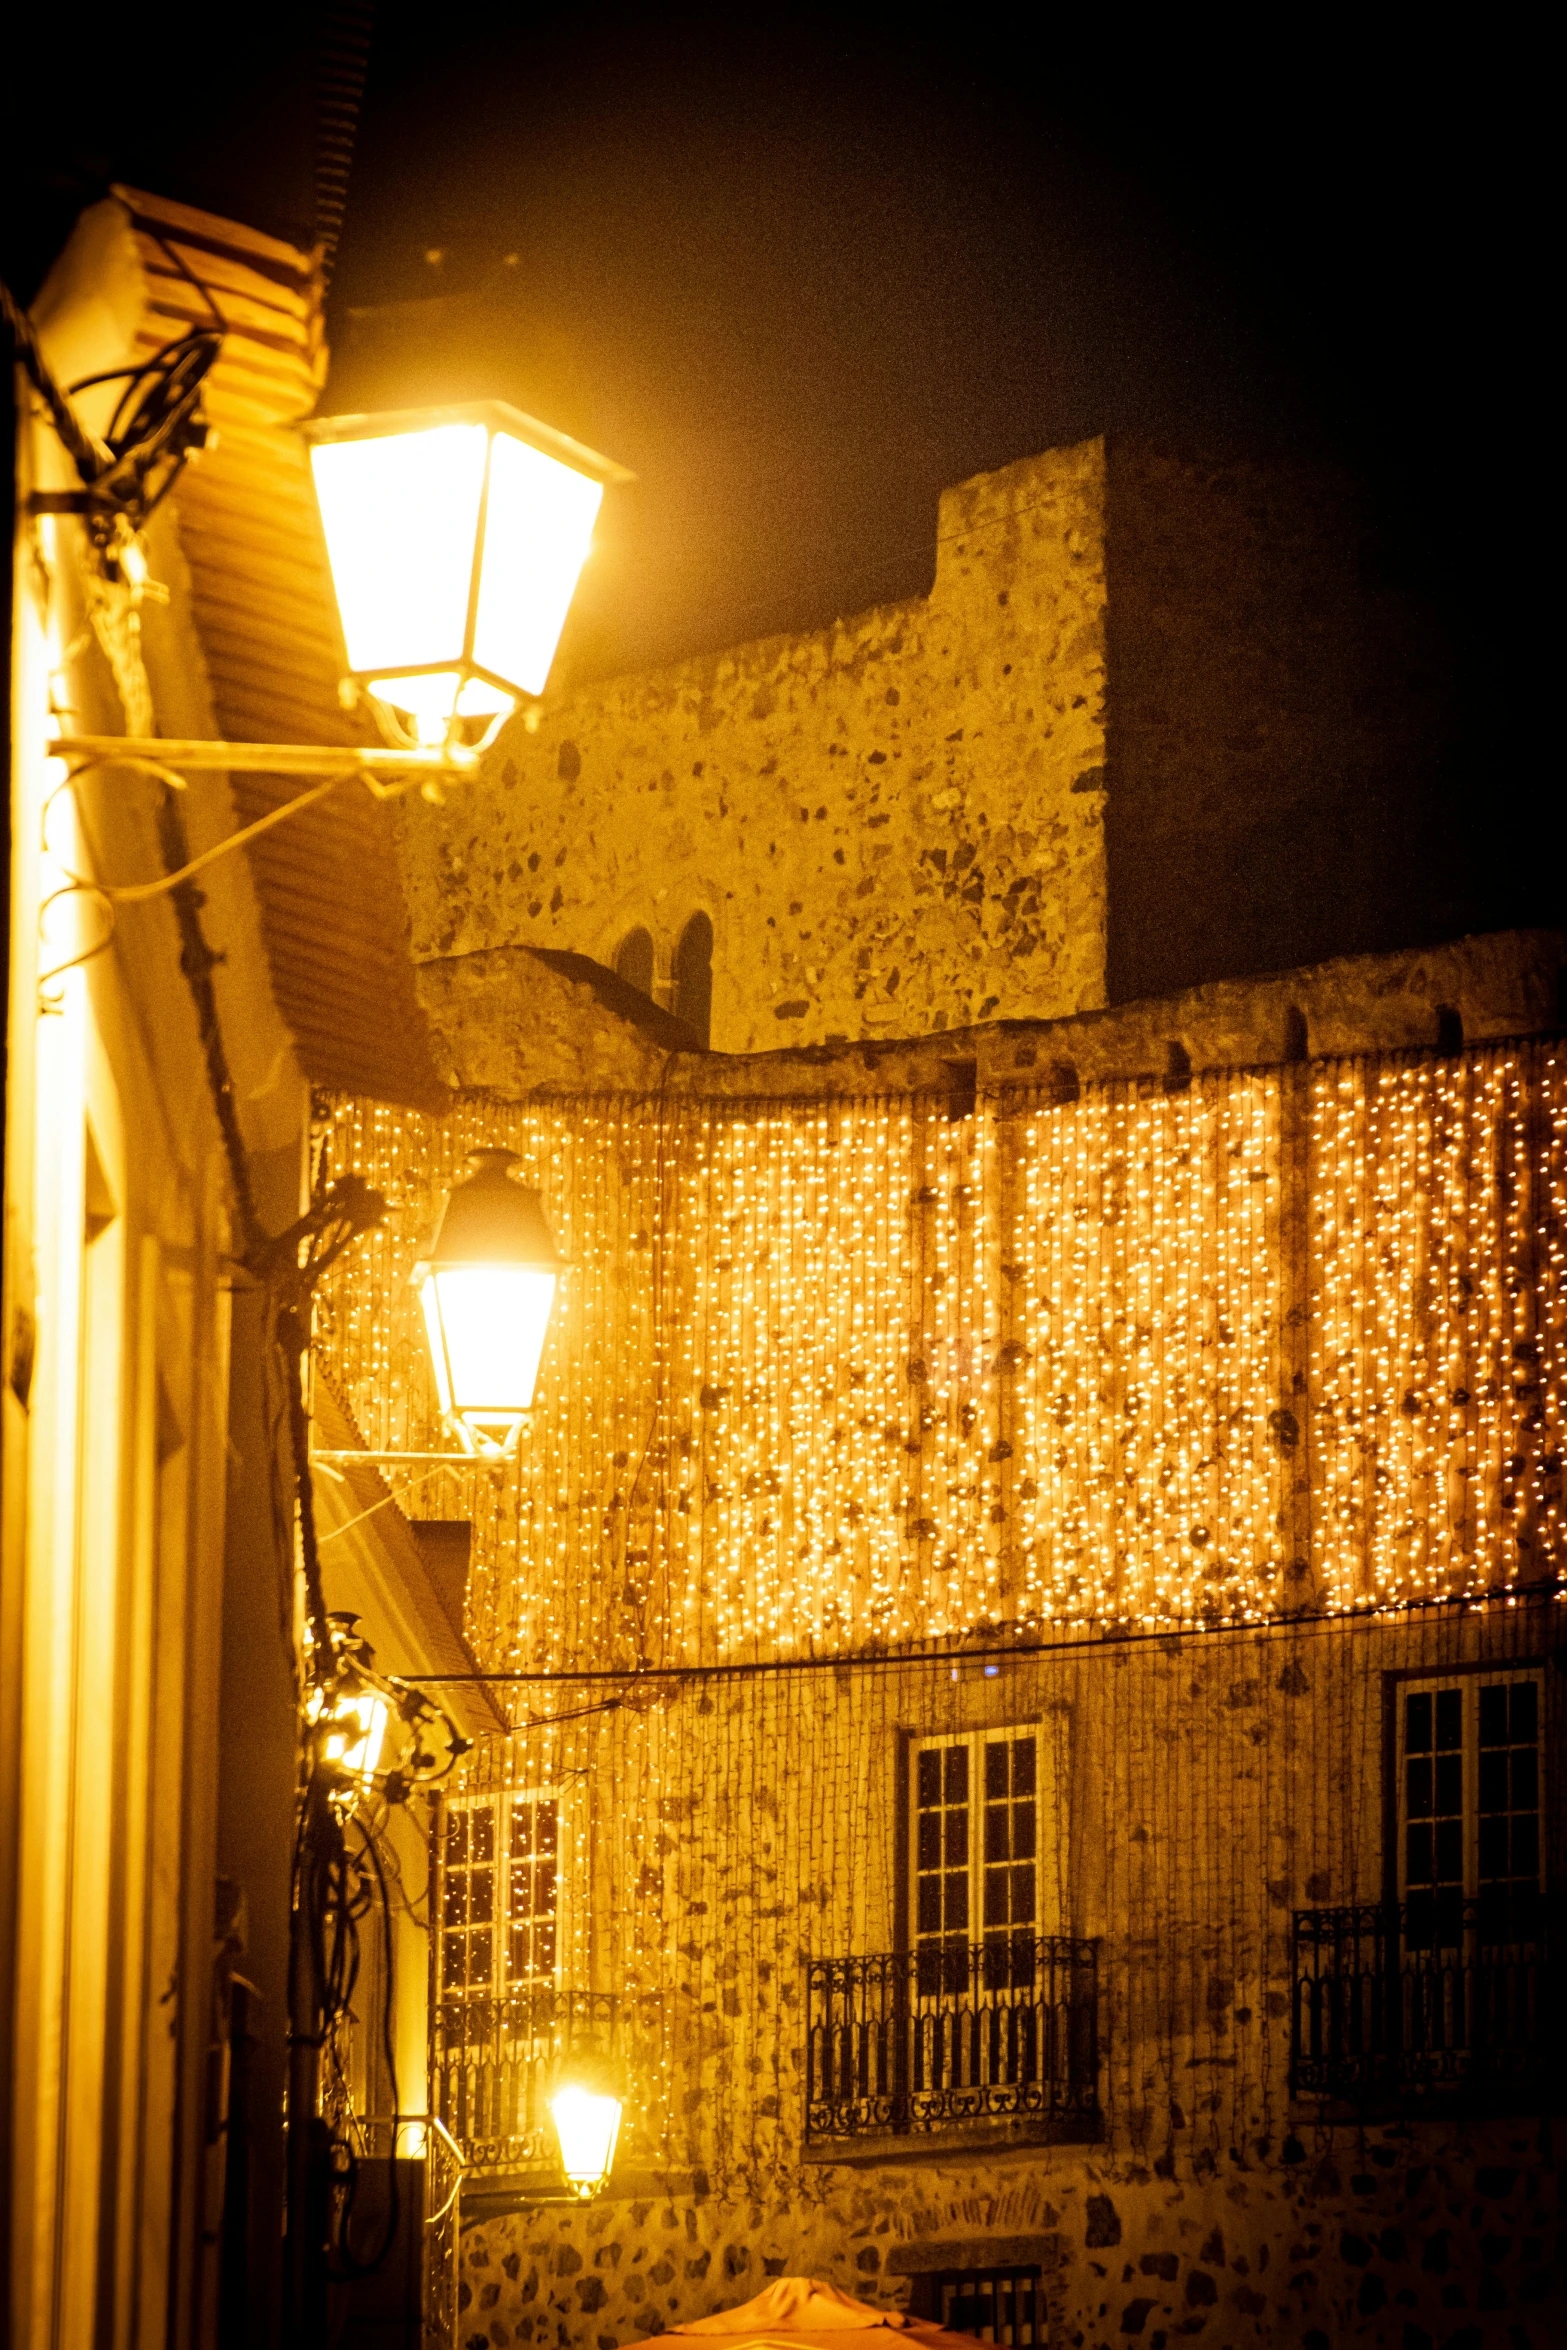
(826, 1374)
(1178, 1384)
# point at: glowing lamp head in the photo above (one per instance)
(487, 1289)
(455, 537)
(585, 2107)
(350, 1727)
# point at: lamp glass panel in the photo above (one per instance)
(401, 516)
(537, 532)
(492, 1320)
(364, 1728)
(587, 2126)
(429, 1299)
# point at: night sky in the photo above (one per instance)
(801, 270)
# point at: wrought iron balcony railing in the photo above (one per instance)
(1432, 1998)
(957, 2034)
(493, 2061)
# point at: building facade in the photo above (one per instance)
(1013, 1677)
(1026, 1612)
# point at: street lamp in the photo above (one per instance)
(455, 537)
(487, 1288)
(585, 2107)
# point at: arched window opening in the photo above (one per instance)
(694, 977)
(634, 960)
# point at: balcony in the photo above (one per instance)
(958, 2044)
(1429, 2004)
(492, 2064)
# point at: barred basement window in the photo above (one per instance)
(996, 2304)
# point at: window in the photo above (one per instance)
(694, 977)
(977, 1840)
(500, 1896)
(1441, 1990)
(634, 960)
(996, 2304)
(1469, 1794)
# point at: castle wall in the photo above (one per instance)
(893, 824)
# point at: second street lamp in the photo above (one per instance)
(487, 1288)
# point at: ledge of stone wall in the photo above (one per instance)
(508, 1024)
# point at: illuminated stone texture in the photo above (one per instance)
(895, 824)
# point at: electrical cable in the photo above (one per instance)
(1185, 1628)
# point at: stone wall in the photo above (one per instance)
(1215, 1785)
(1416, 2237)
(894, 825)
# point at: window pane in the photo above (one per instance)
(1022, 1896)
(956, 1838)
(1493, 1781)
(1449, 1717)
(544, 1945)
(957, 1774)
(1449, 1782)
(519, 1953)
(1023, 1766)
(1526, 1846)
(457, 1838)
(929, 1906)
(929, 1777)
(957, 1904)
(452, 1957)
(1418, 1777)
(996, 1897)
(544, 1888)
(997, 1841)
(1449, 1852)
(479, 1959)
(1417, 1724)
(454, 1901)
(1493, 1717)
(481, 1834)
(928, 1840)
(1023, 1831)
(521, 1830)
(546, 1826)
(1418, 1856)
(481, 1896)
(1493, 1847)
(1526, 1711)
(995, 1772)
(1526, 1778)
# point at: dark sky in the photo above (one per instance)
(802, 268)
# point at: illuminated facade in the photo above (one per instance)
(1012, 1671)
(994, 1561)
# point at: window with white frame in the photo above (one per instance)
(983, 1835)
(1469, 1790)
(500, 1895)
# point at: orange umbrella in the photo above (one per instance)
(801, 2313)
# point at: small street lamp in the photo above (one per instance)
(585, 2107)
(487, 1288)
(455, 537)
